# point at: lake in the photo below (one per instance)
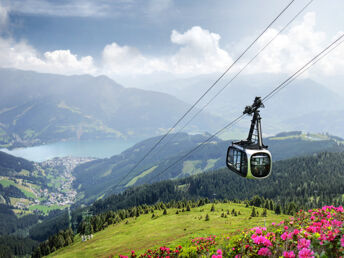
(90, 148)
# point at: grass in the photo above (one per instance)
(46, 209)
(146, 172)
(171, 230)
(24, 172)
(26, 191)
(6, 182)
(21, 213)
(210, 164)
(190, 167)
(14, 201)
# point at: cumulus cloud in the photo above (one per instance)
(199, 53)
(128, 60)
(292, 49)
(20, 55)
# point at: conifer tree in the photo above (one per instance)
(253, 212)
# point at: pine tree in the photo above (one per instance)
(207, 217)
(264, 213)
(253, 213)
(212, 208)
(165, 212)
(278, 209)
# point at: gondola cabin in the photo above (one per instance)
(250, 158)
(249, 163)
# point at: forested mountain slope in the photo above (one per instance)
(106, 176)
(309, 181)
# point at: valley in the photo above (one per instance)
(45, 187)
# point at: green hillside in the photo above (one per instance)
(172, 230)
(103, 177)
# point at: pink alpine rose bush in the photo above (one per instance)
(313, 233)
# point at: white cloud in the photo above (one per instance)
(128, 60)
(292, 49)
(199, 53)
(20, 55)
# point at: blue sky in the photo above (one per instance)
(125, 37)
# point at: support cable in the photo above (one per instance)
(205, 93)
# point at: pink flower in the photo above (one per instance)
(289, 254)
(284, 236)
(262, 240)
(264, 251)
(219, 252)
(342, 241)
(306, 253)
(303, 243)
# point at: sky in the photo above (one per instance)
(127, 39)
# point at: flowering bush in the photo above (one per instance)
(310, 233)
(313, 233)
(163, 251)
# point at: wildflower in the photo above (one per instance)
(264, 251)
(303, 243)
(262, 240)
(289, 254)
(342, 241)
(284, 236)
(219, 252)
(306, 253)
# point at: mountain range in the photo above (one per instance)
(41, 108)
(303, 105)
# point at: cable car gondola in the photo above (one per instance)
(250, 158)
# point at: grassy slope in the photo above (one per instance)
(170, 230)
